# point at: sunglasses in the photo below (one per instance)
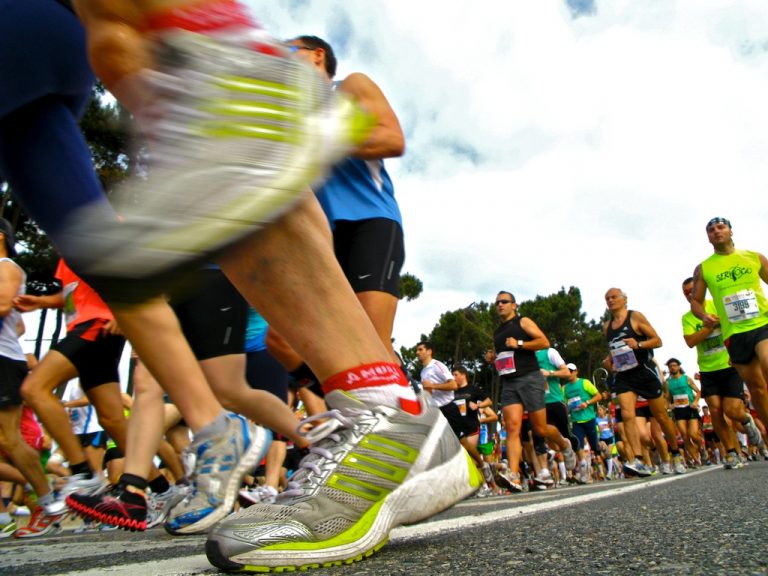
(297, 48)
(503, 302)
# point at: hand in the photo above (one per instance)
(111, 329)
(26, 303)
(632, 343)
(711, 321)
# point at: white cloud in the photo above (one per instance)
(545, 151)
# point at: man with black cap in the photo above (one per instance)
(733, 278)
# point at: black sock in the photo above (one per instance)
(133, 480)
(81, 468)
(159, 484)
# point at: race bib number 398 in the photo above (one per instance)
(741, 306)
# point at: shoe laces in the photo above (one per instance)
(326, 438)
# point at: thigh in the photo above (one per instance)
(371, 253)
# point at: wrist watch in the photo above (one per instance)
(639, 344)
(519, 343)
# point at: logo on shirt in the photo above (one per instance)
(733, 274)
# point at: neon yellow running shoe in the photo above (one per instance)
(375, 468)
(239, 130)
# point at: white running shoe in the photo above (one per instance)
(244, 128)
(370, 468)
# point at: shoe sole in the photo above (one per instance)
(411, 502)
(83, 511)
(260, 441)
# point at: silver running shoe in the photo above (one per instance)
(370, 468)
(753, 433)
(158, 505)
(239, 128)
(666, 468)
(220, 466)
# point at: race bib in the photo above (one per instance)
(713, 343)
(680, 400)
(505, 363)
(604, 425)
(462, 404)
(741, 306)
(623, 358)
(574, 403)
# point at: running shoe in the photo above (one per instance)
(118, 506)
(80, 483)
(7, 530)
(369, 469)
(638, 468)
(544, 478)
(569, 456)
(484, 492)
(678, 464)
(666, 468)
(158, 505)
(220, 466)
(40, 524)
(242, 128)
(504, 477)
(249, 497)
(753, 433)
(732, 461)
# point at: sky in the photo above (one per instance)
(558, 143)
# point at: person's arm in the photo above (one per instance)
(763, 268)
(697, 300)
(538, 341)
(641, 325)
(10, 282)
(30, 303)
(387, 139)
(695, 388)
(488, 416)
(590, 389)
(449, 385)
(695, 338)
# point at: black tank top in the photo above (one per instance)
(525, 360)
(644, 356)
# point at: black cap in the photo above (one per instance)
(10, 240)
(719, 220)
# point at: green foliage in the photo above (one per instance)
(410, 287)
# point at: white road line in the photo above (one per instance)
(199, 564)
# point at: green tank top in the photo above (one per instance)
(682, 394)
(582, 390)
(554, 391)
(735, 285)
(711, 352)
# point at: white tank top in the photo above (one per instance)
(9, 332)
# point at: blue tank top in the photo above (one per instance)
(359, 190)
(255, 332)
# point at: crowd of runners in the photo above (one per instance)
(256, 264)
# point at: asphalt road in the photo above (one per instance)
(710, 521)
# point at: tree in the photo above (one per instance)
(410, 287)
